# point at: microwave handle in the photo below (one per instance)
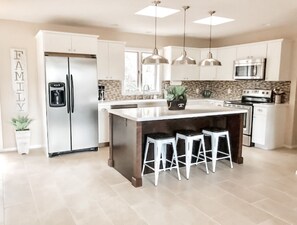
(255, 71)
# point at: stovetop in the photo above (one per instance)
(238, 102)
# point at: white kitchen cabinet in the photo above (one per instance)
(208, 72)
(111, 60)
(180, 72)
(226, 56)
(278, 60)
(268, 125)
(255, 50)
(103, 124)
(61, 42)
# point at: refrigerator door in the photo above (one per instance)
(84, 103)
(58, 123)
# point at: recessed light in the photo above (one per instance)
(216, 20)
(161, 11)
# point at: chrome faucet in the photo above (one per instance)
(145, 88)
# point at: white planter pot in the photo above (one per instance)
(23, 141)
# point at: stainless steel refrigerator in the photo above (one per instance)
(72, 104)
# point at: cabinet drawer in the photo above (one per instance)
(260, 111)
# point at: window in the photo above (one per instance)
(140, 78)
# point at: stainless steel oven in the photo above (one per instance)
(248, 98)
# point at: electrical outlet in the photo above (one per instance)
(229, 91)
(197, 91)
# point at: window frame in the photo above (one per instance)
(140, 85)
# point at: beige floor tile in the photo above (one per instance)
(17, 191)
(232, 218)
(245, 209)
(274, 208)
(57, 217)
(276, 195)
(96, 219)
(22, 214)
(48, 200)
(120, 212)
(241, 192)
(274, 221)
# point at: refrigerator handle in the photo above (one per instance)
(72, 94)
(68, 93)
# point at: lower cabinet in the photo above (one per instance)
(103, 120)
(269, 126)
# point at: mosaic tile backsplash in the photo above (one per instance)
(226, 90)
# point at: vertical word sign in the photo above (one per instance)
(19, 78)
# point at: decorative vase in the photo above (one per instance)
(177, 104)
(23, 141)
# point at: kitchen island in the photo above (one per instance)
(129, 127)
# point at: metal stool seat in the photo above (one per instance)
(215, 134)
(160, 141)
(189, 136)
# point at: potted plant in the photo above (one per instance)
(22, 133)
(176, 97)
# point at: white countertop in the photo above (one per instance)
(162, 113)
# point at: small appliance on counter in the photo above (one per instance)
(206, 93)
(278, 95)
(101, 90)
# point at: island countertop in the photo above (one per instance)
(162, 113)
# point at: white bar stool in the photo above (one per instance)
(189, 137)
(215, 134)
(160, 141)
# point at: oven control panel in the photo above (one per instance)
(257, 93)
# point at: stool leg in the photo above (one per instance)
(188, 151)
(176, 141)
(204, 154)
(214, 152)
(200, 144)
(175, 157)
(229, 150)
(145, 156)
(158, 150)
(164, 154)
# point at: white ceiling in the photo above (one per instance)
(249, 15)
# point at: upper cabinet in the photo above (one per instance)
(61, 42)
(226, 56)
(255, 50)
(180, 72)
(278, 60)
(111, 60)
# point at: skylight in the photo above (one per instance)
(216, 20)
(161, 11)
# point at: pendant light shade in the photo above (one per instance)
(210, 61)
(184, 59)
(155, 58)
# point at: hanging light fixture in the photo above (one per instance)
(210, 61)
(184, 59)
(155, 58)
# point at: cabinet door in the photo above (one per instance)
(103, 61)
(54, 42)
(103, 125)
(208, 72)
(259, 125)
(273, 61)
(192, 71)
(84, 44)
(116, 60)
(251, 50)
(226, 56)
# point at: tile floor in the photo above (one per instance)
(81, 189)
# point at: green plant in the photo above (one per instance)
(176, 92)
(21, 122)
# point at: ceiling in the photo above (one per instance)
(249, 15)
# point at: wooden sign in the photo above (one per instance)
(19, 78)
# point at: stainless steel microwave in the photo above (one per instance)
(249, 69)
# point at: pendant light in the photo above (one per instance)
(210, 61)
(184, 59)
(155, 58)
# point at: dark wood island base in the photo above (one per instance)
(127, 139)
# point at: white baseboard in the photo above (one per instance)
(14, 148)
(290, 146)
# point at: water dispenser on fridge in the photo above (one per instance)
(57, 94)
